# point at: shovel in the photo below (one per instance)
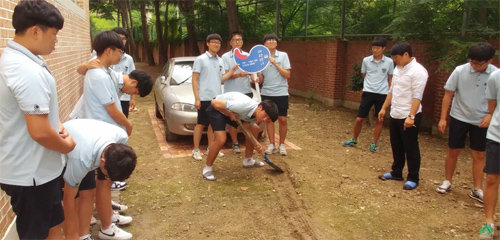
(255, 143)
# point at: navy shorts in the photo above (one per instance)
(458, 134)
(492, 165)
(368, 100)
(281, 102)
(88, 182)
(218, 120)
(203, 117)
(38, 208)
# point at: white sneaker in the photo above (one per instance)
(197, 154)
(87, 237)
(93, 220)
(248, 163)
(271, 149)
(114, 232)
(118, 207)
(282, 150)
(477, 194)
(445, 187)
(218, 155)
(118, 186)
(118, 219)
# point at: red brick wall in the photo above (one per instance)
(72, 49)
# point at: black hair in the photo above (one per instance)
(121, 31)
(120, 161)
(107, 39)
(400, 48)
(144, 82)
(214, 36)
(481, 51)
(270, 36)
(379, 41)
(270, 108)
(234, 34)
(28, 13)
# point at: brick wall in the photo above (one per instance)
(72, 49)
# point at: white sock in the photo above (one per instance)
(207, 169)
(107, 230)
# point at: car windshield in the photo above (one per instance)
(182, 73)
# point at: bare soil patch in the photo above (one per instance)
(327, 191)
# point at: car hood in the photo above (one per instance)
(182, 93)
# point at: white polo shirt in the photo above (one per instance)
(241, 84)
(376, 78)
(26, 87)
(126, 66)
(274, 84)
(239, 103)
(91, 137)
(493, 93)
(211, 70)
(469, 104)
(408, 82)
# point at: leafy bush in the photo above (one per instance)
(356, 83)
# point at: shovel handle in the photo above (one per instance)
(247, 133)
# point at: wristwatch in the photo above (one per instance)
(412, 117)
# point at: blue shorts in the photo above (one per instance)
(281, 102)
(458, 134)
(203, 117)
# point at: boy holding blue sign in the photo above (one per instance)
(275, 88)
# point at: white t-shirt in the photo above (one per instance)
(126, 66)
(239, 103)
(274, 84)
(26, 87)
(91, 137)
(211, 70)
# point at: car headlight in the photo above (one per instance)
(185, 107)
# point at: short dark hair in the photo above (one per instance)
(400, 48)
(28, 13)
(214, 36)
(107, 39)
(120, 161)
(270, 108)
(481, 51)
(121, 31)
(379, 41)
(270, 36)
(144, 82)
(234, 34)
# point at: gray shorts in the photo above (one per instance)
(492, 165)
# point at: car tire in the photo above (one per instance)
(157, 111)
(169, 136)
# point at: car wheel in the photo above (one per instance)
(157, 111)
(169, 136)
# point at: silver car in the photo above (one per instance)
(174, 98)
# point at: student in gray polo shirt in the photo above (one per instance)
(208, 74)
(492, 166)
(469, 114)
(238, 82)
(225, 109)
(31, 135)
(100, 146)
(377, 72)
(275, 88)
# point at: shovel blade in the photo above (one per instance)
(276, 168)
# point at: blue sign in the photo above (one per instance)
(253, 62)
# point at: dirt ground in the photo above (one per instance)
(327, 191)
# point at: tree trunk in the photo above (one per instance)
(131, 38)
(278, 11)
(145, 35)
(232, 16)
(165, 30)
(162, 58)
(122, 9)
(187, 9)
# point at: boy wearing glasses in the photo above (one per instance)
(238, 82)
(208, 74)
(469, 114)
(100, 146)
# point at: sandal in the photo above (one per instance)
(209, 176)
(388, 176)
(410, 185)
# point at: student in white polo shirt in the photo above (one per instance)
(238, 82)
(492, 166)
(404, 97)
(225, 109)
(469, 114)
(31, 135)
(275, 88)
(100, 146)
(208, 74)
(377, 72)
